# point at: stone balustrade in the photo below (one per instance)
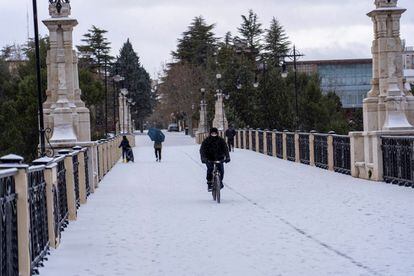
(39, 201)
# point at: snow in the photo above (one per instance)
(276, 218)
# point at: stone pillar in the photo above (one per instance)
(297, 148)
(388, 107)
(285, 144)
(64, 111)
(331, 151)
(312, 148)
(220, 120)
(203, 124)
(70, 185)
(274, 142)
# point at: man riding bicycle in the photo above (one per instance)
(214, 148)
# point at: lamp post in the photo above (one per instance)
(203, 125)
(294, 56)
(117, 78)
(123, 94)
(220, 97)
(39, 82)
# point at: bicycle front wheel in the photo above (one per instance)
(217, 187)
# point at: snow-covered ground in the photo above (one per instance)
(276, 218)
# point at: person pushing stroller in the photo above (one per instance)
(127, 154)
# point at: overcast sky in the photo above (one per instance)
(321, 29)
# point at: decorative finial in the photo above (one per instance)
(386, 3)
(59, 8)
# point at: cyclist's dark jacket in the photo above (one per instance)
(214, 149)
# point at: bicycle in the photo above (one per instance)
(216, 182)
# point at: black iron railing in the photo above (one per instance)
(247, 139)
(253, 132)
(261, 141)
(321, 151)
(304, 150)
(279, 145)
(290, 146)
(342, 154)
(9, 259)
(75, 162)
(62, 199)
(269, 143)
(398, 160)
(87, 182)
(39, 237)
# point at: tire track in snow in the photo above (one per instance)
(295, 228)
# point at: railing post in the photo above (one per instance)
(312, 148)
(101, 158)
(23, 212)
(83, 195)
(265, 141)
(331, 165)
(274, 142)
(284, 136)
(51, 186)
(250, 138)
(70, 184)
(297, 149)
(94, 162)
(257, 140)
(244, 138)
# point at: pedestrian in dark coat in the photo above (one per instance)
(158, 148)
(230, 134)
(125, 147)
(212, 149)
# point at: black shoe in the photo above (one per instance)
(209, 186)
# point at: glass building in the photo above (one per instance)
(349, 79)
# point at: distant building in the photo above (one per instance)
(350, 79)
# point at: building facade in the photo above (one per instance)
(350, 79)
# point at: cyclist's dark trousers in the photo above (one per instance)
(124, 153)
(210, 168)
(158, 154)
(230, 144)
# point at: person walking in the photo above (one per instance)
(213, 149)
(230, 134)
(158, 148)
(125, 148)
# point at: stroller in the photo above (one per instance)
(129, 155)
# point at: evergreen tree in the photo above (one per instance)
(251, 31)
(96, 48)
(94, 65)
(137, 81)
(197, 44)
(276, 42)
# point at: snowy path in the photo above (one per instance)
(276, 218)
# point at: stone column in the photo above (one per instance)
(220, 120)
(64, 111)
(202, 124)
(388, 107)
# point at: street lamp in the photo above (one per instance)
(116, 79)
(294, 56)
(124, 92)
(39, 81)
